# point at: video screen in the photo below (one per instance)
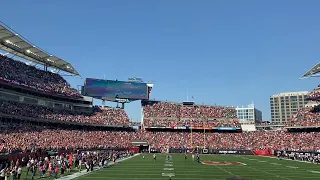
(115, 89)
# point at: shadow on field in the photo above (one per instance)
(238, 178)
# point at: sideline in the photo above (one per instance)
(84, 172)
(289, 160)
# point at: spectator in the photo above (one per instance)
(21, 136)
(106, 116)
(174, 114)
(19, 73)
(309, 116)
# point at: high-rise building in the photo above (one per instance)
(285, 105)
(249, 115)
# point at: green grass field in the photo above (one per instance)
(256, 168)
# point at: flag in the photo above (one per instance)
(70, 159)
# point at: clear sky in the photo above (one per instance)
(225, 52)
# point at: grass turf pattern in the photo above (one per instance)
(253, 167)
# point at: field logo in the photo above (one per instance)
(219, 163)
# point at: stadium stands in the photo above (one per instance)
(246, 141)
(23, 136)
(309, 116)
(175, 114)
(106, 116)
(190, 122)
(315, 94)
(18, 73)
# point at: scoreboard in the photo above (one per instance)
(113, 89)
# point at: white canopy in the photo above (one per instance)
(13, 43)
(314, 71)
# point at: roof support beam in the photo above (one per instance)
(7, 37)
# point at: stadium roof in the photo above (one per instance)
(313, 72)
(15, 44)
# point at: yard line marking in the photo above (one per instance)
(168, 165)
(168, 174)
(252, 159)
(264, 172)
(317, 172)
(222, 169)
(168, 169)
(85, 173)
(276, 164)
(268, 173)
(225, 169)
(292, 167)
(262, 161)
(168, 162)
(289, 159)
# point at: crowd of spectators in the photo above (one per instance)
(47, 166)
(207, 112)
(282, 140)
(22, 136)
(190, 122)
(19, 73)
(166, 109)
(315, 94)
(14, 136)
(100, 116)
(309, 116)
(175, 114)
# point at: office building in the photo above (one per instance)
(285, 105)
(249, 115)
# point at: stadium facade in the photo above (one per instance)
(285, 105)
(249, 114)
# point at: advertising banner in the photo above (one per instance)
(227, 128)
(297, 152)
(263, 152)
(211, 151)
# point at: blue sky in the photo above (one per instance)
(225, 52)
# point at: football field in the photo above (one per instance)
(213, 167)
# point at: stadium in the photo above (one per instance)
(49, 129)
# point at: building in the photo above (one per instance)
(249, 115)
(285, 105)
